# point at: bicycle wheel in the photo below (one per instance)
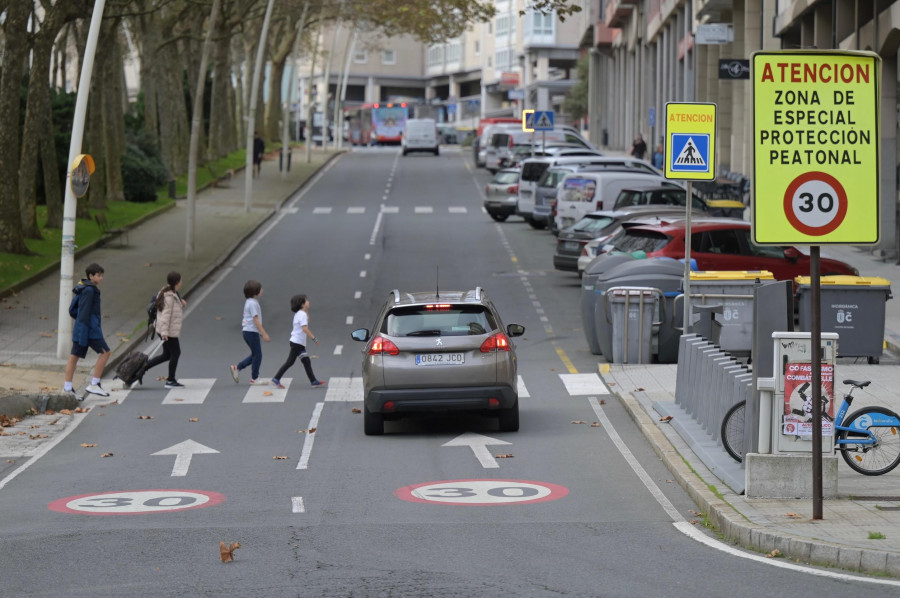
(871, 459)
(733, 431)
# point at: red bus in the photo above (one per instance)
(379, 123)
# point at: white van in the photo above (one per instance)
(420, 135)
(583, 192)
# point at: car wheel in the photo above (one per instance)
(508, 419)
(373, 423)
(437, 151)
(537, 225)
(498, 217)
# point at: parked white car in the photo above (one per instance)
(583, 192)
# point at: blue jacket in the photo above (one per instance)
(87, 324)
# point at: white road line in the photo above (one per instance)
(356, 210)
(297, 505)
(583, 384)
(338, 349)
(424, 210)
(266, 393)
(194, 392)
(390, 210)
(349, 320)
(322, 210)
(457, 209)
(77, 417)
(368, 256)
(292, 210)
(523, 392)
(310, 437)
(362, 273)
(374, 236)
(344, 389)
(357, 295)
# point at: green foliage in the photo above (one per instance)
(876, 536)
(576, 103)
(143, 170)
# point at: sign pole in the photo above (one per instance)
(816, 365)
(686, 324)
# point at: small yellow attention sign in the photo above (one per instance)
(816, 138)
(528, 121)
(690, 141)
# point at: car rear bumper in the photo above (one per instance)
(565, 262)
(541, 213)
(440, 399)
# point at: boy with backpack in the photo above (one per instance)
(87, 332)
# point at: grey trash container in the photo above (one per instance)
(664, 274)
(589, 279)
(733, 290)
(852, 306)
(631, 311)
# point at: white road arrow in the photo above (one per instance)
(478, 444)
(183, 452)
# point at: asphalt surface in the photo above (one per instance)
(336, 516)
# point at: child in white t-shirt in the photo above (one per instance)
(252, 329)
(299, 334)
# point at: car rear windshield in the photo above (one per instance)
(592, 224)
(504, 177)
(641, 240)
(438, 320)
(552, 177)
(532, 171)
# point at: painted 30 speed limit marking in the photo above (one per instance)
(136, 502)
(815, 203)
(481, 492)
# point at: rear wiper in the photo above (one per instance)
(424, 333)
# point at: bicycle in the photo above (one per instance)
(868, 439)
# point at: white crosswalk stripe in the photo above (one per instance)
(424, 210)
(523, 392)
(267, 393)
(457, 209)
(583, 384)
(194, 392)
(322, 210)
(390, 210)
(356, 210)
(344, 389)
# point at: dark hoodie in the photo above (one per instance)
(87, 324)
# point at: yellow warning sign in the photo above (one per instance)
(816, 138)
(690, 141)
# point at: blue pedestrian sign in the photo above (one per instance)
(690, 153)
(540, 120)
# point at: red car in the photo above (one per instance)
(724, 244)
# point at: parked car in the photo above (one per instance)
(665, 195)
(439, 352)
(520, 153)
(601, 225)
(504, 140)
(723, 244)
(500, 194)
(583, 192)
(479, 141)
(447, 134)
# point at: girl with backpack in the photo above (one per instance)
(169, 316)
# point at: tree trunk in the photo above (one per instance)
(114, 116)
(221, 116)
(53, 190)
(174, 130)
(149, 42)
(14, 29)
(96, 137)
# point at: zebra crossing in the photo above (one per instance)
(356, 210)
(339, 389)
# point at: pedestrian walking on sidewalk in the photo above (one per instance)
(299, 333)
(639, 147)
(259, 148)
(87, 331)
(169, 317)
(252, 330)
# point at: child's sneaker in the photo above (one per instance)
(234, 373)
(71, 393)
(257, 382)
(277, 384)
(317, 383)
(96, 389)
(174, 384)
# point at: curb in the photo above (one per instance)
(736, 528)
(18, 405)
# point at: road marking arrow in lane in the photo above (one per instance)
(183, 452)
(478, 444)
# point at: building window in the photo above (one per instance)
(360, 57)
(388, 57)
(504, 58)
(453, 52)
(477, 48)
(540, 24)
(506, 25)
(435, 56)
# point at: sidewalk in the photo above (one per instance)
(31, 375)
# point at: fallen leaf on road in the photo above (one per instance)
(10, 461)
(578, 421)
(145, 417)
(194, 419)
(302, 431)
(178, 400)
(49, 412)
(595, 425)
(77, 410)
(36, 436)
(793, 516)
(279, 457)
(53, 423)
(267, 393)
(312, 430)
(218, 317)
(774, 553)
(693, 522)
(87, 445)
(667, 418)
(603, 401)
(639, 389)
(67, 411)
(668, 481)
(47, 335)
(505, 456)
(104, 455)
(356, 410)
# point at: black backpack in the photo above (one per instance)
(151, 315)
(132, 367)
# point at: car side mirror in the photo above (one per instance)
(792, 254)
(515, 330)
(360, 334)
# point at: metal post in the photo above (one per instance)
(348, 54)
(67, 257)
(251, 113)
(816, 354)
(195, 136)
(686, 326)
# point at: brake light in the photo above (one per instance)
(487, 188)
(497, 342)
(438, 307)
(599, 205)
(382, 345)
(513, 189)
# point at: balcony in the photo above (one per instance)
(618, 12)
(604, 36)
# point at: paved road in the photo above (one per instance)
(577, 510)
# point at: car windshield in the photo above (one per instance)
(552, 177)
(438, 320)
(641, 240)
(506, 177)
(592, 224)
(532, 171)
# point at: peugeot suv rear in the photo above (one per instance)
(439, 352)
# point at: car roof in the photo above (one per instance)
(475, 296)
(698, 224)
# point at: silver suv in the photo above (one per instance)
(439, 351)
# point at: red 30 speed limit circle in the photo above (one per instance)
(481, 493)
(815, 203)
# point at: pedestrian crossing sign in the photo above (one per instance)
(690, 141)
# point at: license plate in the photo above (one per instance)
(571, 245)
(440, 359)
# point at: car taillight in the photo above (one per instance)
(584, 251)
(487, 189)
(599, 205)
(497, 342)
(382, 345)
(513, 189)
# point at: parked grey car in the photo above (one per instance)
(501, 194)
(439, 351)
